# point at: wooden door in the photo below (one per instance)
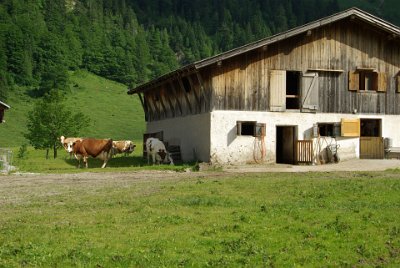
(371, 148)
(277, 90)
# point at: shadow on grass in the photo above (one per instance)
(126, 162)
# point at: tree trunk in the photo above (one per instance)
(54, 151)
(47, 153)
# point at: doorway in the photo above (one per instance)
(371, 141)
(285, 144)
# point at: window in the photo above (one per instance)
(329, 129)
(292, 89)
(367, 79)
(370, 128)
(250, 128)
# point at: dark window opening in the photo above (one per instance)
(329, 129)
(368, 81)
(247, 128)
(292, 90)
(250, 128)
(370, 127)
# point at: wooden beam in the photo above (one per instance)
(150, 109)
(194, 92)
(144, 105)
(163, 106)
(156, 110)
(171, 106)
(202, 90)
(184, 93)
(176, 97)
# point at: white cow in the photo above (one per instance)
(156, 149)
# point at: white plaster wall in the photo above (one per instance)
(226, 147)
(191, 133)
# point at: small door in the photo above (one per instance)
(285, 144)
(371, 142)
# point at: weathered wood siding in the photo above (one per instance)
(242, 82)
(181, 96)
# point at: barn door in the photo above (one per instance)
(309, 92)
(277, 89)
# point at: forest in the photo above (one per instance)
(132, 41)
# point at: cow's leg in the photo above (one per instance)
(77, 157)
(85, 160)
(105, 156)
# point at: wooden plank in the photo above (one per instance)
(144, 105)
(176, 97)
(164, 109)
(371, 148)
(179, 78)
(194, 92)
(304, 152)
(350, 127)
(354, 81)
(171, 106)
(382, 84)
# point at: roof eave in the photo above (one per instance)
(369, 18)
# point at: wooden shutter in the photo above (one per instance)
(277, 89)
(354, 81)
(398, 83)
(350, 127)
(309, 92)
(382, 82)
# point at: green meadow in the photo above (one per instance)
(112, 112)
(211, 220)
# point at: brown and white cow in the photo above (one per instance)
(96, 148)
(156, 149)
(64, 141)
(125, 147)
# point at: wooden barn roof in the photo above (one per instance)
(391, 29)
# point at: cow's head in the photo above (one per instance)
(70, 146)
(130, 146)
(162, 153)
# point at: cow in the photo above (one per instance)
(156, 149)
(96, 148)
(64, 141)
(125, 147)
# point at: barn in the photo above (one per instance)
(328, 88)
(3, 107)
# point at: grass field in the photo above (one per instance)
(112, 112)
(210, 220)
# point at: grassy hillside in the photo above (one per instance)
(112, 112)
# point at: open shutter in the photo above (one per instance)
(350, 127)
(382, 84)
(354, 81)
(398, 83)
(309, 92)
(277, 89)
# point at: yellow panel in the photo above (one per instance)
(350, 127)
